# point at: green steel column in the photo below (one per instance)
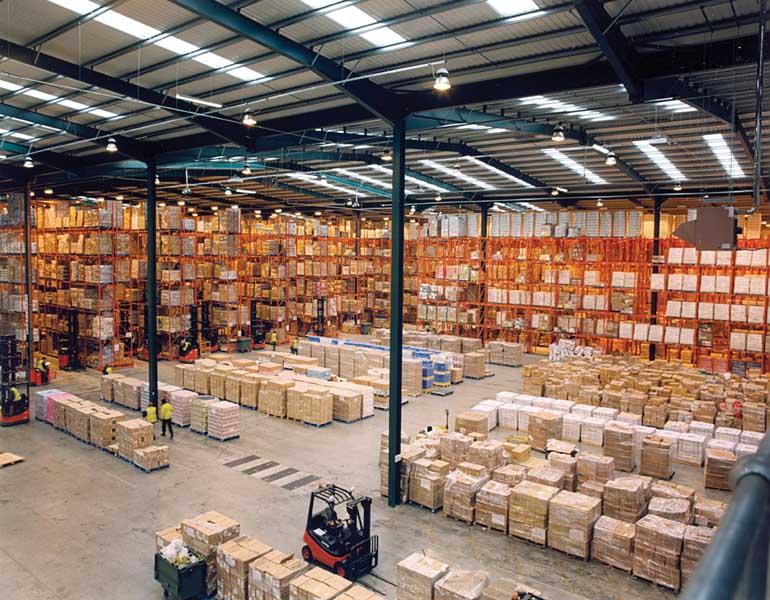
(151, 325)
(28, 278)
(655, 252)
(483, 271)
(396, 313)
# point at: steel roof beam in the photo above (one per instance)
(299, 190)
(46, 157)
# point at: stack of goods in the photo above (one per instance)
(460, 491)
(469, 422)
(488, 408)
(317, 407)
(674, 509)
(317, 584)
(625, 499)
(104, 427)
(510, 474)
(426, 482)
(151, 458)
(657, 550)
(718, 466)
(461, 585)
(224, 421)
(690, 449)
(619, 444)
(272, 396)
(492, 506)
(669, 489)
(249, 390)
(383, 459)
(641, 432)
(359, 592)
(754, 416)
(487, 453)
(595, 468)
(572, 423)
(411, 380)
(528, 511)
(233, 560)
(165, 536)
(592, 431)
(571, 519)
(79, 421)
(199, 413)
(455, 448)
(233, 385)
(543, 426)
(127, 392)
(696, 540)
(505, 353)
(204, 534)
(107, 386)
(410, 454)
(181, 403)
(592, 488)
(473, 365)
(269, 575)
(708, 513)
(525, 413)
(567, 465)
(347, 405)
(133, 435)
(546, 476)
(417, 575)
(517, 453)
(613, 543)
(507, 416)
(656, 457)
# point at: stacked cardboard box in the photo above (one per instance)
(657, 550)
(547, 476)
(133, 435)
(359, 592)
(460, 491)
(269, 575)
(488, 454)
(592, 430)
(233, 560)
(151, 458)
(411, 382)
(104, 426)
(619, 444)
(224, 420)
(473, 365)
(455, 448)
(165, 536)
(510, 475)
(517, 453)
(181, 403)
(625, 499)
(272, 396)
(656, 457)
(107, 386)
(708, 513)
(317, 406)
(128, 392)
(669, 489)
(674, 509)
(199, 413)
(416, 576)
(250, 386)
(591, 467)
(696, 540)
(754, 416)
(317, 584)
(718, 466)
(568, 466)
(613, 543)
(571, 519)
(426, 482)
(461, 585)
(204, 534)
(347, 405)
(469, 422)
(691, 449)
(528, 511)
(543, 426)
(492, 505)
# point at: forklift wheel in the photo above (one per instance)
(341, 570)
(307, 554)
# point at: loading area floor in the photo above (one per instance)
(77, 523)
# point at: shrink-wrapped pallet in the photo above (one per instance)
(525, 414)
(547, 476)
(571, 426)
(696, 541)
(224, 420)
(718, 466)
(492, 505)
(691, 449)
(528, 511)
(543, 426)
(657, 550)
(510, 474)
(104, 426)
(592, 430)
(317, 407)
(708, 513)
(426, 483)
(669, 489)
(591, 467)
(571, 518)
(567, 465)
(613, 543)
(460, 490)
(199, 413)
(471, 422)
(507, 416)
(487, 453)
(674, 509)
(455, 447)
(181, 404)
(416, 576)
(619, 444)
(488, 408)
(151, 458)
(656, 457)
(461, 585)
(625, 499)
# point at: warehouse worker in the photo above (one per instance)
(274, 338)
(185, 347)
(166, 412)
(151, 416)
(107, 370)
(15, 394)
(295, 346)
(41, 366)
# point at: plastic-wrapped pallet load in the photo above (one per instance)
(129, 395)
(411, 382)
(359, 592)
(571, 426)
(625, 499)
(204, 534)
(718, 466)
(619, 444)
(571, 518)
(567, 465)
(656, 457)
(460, 491)
(181, 403)
(657, 550)
(473, 365)
(591, 467)
(224, 421)
(528, 511)
(272, 396)
(471, 422)
(691, 449)
(492, 506)
(233, 560)
(510, 475)
(613, 543)
(107, 386)
(416, 576)
(133, 435)
(488, 408)
(461, 585)
(347, 405)
(669, 489)
(525, 414)
(674, 509)
(151, 458)
(546, 476)
(708, 513)
(317, 407)
(426, 482)
(317, 584)
(696, 540)
(507, 416)
(543, 426)
(488, 454)
(270, 574)
(199, 413)
(592, 430)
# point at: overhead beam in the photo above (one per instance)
(376, 98)
(300, 190)
(46, 157)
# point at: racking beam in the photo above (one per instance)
(151, 326)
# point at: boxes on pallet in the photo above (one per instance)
(591, 467)
(317, 584)
(488, 454)
(528, 511)
(613, 543)
(455, 447)
(571, 426)
(669, 489)
(204, 534)
(625, 499)
(347, 405)
(224, 420)
(592, 430)
(272, 396)
(317, 407)
(543, 426)
(233, 560)
(426, 482)
(411, 383)
(488, 408)
(359, 592)
(510, 475)
(460, 491)
(718, 466)
(708, 513)
(416, 576)
(107, 385)
(151, 457)
(619, 444)
(202, 376)
(233, 385)
(571, 518)
(181, 404)
(691, 449)
(492, 505)
(471, 422)
(249, 391)
(657, 550)
(461, 585)
(656, 457)
(188, 377)
(270, 574)
(507, 416)
(79, 421)
(517, 453)
(641, 432)
(473, 365)
(128, 392)
(525, 414)
(104, 426)
(674, 509)
(133, 435)
(567, 465)
(546, 476)
(696, 540)
(199, 413)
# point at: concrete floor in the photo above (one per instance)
(77, 523)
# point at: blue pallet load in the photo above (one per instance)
(319, 373)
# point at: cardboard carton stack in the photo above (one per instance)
(567, 465)
(546, 476)
(151, 458)
(133, 435)
(718, 466)
(104, 426)
(272, 396)
(317, 584)
(469, 422)
(674, 509)
(233, 560)
(317, 406)
(625, 499)
(294, 399)
(591, 467)
(543, 426)
(455, 448)
(473, 365)
(426, 482)
(460, 491)
(656, 457)
(754, 417)
(79, 421)
(165, 536)
(269, 575)
(181, 403)
(657, 550)
(107, 386)
(224, 421)
(510, 475)
(619, 444)
(528, 511)
(461, 585)
(249, 390)
(487, 453)
(359, 592)
(199, 413)
(571, 519)
(592, 430)
(708, 513)
(696, 540)
(416, 576)
(613, 543)
(128, 392)
(347, 405)
(204, 534)
(690, 449)
(492, 505)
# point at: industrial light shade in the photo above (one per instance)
(228, 192)
(438, 198)
(248, 119)
(246, 170)
(554, 192)
(48, 191)
(28, 164)
(599, 203)
(157, 180)
(215, 208)
(120, 197)
(558, 134)
(318, 213)
(677, 187)
(611, 159)
(112, 146)
(442, 83)
(387, 156)
(161, 204)
(180, 202)
(278, 210)
(349, 203)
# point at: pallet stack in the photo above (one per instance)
(416, 576)
(571, 518)
(528, 511)
(151, 458)
(224, 421)
(625, 499)
(234, 558)
(657, 551)
(613, 543)
(461, 585)
(204, 534)
(460, 491)
(656, 457)
(492, 505)
(270, 574)
(132, 435)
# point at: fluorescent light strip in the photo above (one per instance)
(321, 182)
(497, 172)
(194, 100)
(352, 17)
(564, 107)
(721, 150)
(531, 206)
(417, 180)
(510, 8)
(676, 106)
(660, 160)
(45, 97)
(364, 178)
(171, 43)
(444, 169)
(574, 166)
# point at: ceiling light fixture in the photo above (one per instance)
(558, 134)
(278, 210)
(660, 160)
(48, 191)
(721, 150)
(438, 198)
(193, 100)
(180, 202)
(554, 192)
(297, 214)
(442, 83)
(677, 187)
(574, 166)
(112, 146)
(317, 213)
(161, 204)
(611, 159)
(599, 203)
(119, 198)
(387, 156)
(157, 180)
(28, 164)
(246, 170)
(215, 208)
(412, 210)
(228, 192)
(248, 119)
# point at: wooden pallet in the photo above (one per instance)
(7, 459)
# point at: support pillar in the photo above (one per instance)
(655, 251)
(151, 316)
(396, 313)
(26, 222)
(483, 271)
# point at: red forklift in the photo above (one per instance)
(340, 541)
(14, 405)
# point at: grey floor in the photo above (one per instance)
(77, 523)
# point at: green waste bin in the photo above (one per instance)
(366, 328)
(181, 583)
(244, 344)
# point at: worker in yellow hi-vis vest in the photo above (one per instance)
(166, 412)
(151, 416)
(274, 338)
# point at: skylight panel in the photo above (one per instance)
(574, 166)
(176, 45)
(352, 17)
(72, 104)
(497, 172)
(7, 85)
(384, 36)
(721, 150)
(127, 25)
(245, 74)
(676, 106)
(660, 160)
(417, 180)
(509, 8)
(531, 206)
(40, 95)
(364, 178)
(558, 106)
(79, 6)
(326, 184)
(457, 174)
(22, 136)
(105, 114)
(213, 60)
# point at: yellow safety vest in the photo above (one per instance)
(16, 394)
(166, 411)
(295, 344)
(152, 414)
(41, 365)
(186, 346)
(274, 338)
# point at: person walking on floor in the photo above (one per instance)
(151, 416)
(166, 412)
(274, 338)
(295, 346)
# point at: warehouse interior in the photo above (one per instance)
(490, 275)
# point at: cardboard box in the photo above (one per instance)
(233, 560)
(417, 575)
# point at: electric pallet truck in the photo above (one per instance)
(14, 405)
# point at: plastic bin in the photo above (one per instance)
(181, 583)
